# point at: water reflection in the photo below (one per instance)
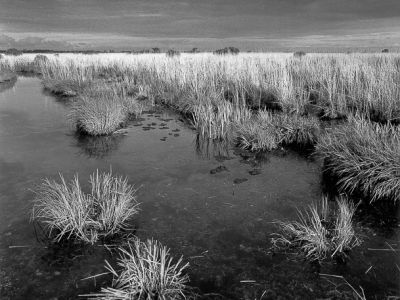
(98, 146)
(8, 84)
(207, 148)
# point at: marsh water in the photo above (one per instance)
(209, 202)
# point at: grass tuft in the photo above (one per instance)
(147, 271)
(98, 116)
(365, 157)
(68, 212)
(320, 231)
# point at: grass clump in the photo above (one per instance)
(147, 271)
(68, 212)
(365, 158)
(268, 131)
(320, 231)
(98, 116)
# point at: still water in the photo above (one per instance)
(208, 202)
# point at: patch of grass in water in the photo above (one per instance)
(365, 157)
(68, 212)
(320, 231)
(98, 116)
(146, 271)
(268, 131)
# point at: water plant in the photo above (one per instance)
(365, 158)
(145, 271)
(320, 231)
(68, 212)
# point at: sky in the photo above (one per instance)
(205, 24)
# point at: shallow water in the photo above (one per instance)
(198, 198)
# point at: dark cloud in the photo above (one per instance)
(148, 21)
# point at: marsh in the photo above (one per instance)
(221, 223)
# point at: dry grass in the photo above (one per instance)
(268, 131)
(146, 271)
(68, 212)
(98, 116)
(320, 231)
(365, 157)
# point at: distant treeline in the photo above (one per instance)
(173, 52)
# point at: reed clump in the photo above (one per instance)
(102, 109)
(365, 158)
(145, 271)
(268, 131)
(320, 231)
(69, 213)
(98, 116)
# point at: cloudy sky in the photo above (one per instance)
(206, 24)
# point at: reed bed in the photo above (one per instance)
(69, 213)
(337, 84)
(320, 231)
(146, 271)
(365, 157)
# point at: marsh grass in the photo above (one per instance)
(102, 108)
(64, 88)
(268, 131)
(320, 231)
(98, 116)
(69, 213)
(365, 157)
(145, 271)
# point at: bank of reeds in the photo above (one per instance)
(145, 271)
(69, 213)
(336, 84)
(365, 158)
(268, 131)
(320, 231)
(64, 88)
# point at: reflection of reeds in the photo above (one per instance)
(68, 212)
(99, 146)
(365, 157)
(207, 148)
(320, 231)
(147, 271)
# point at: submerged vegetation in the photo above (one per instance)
(68, 212)
(145, 271)
(320, 231)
